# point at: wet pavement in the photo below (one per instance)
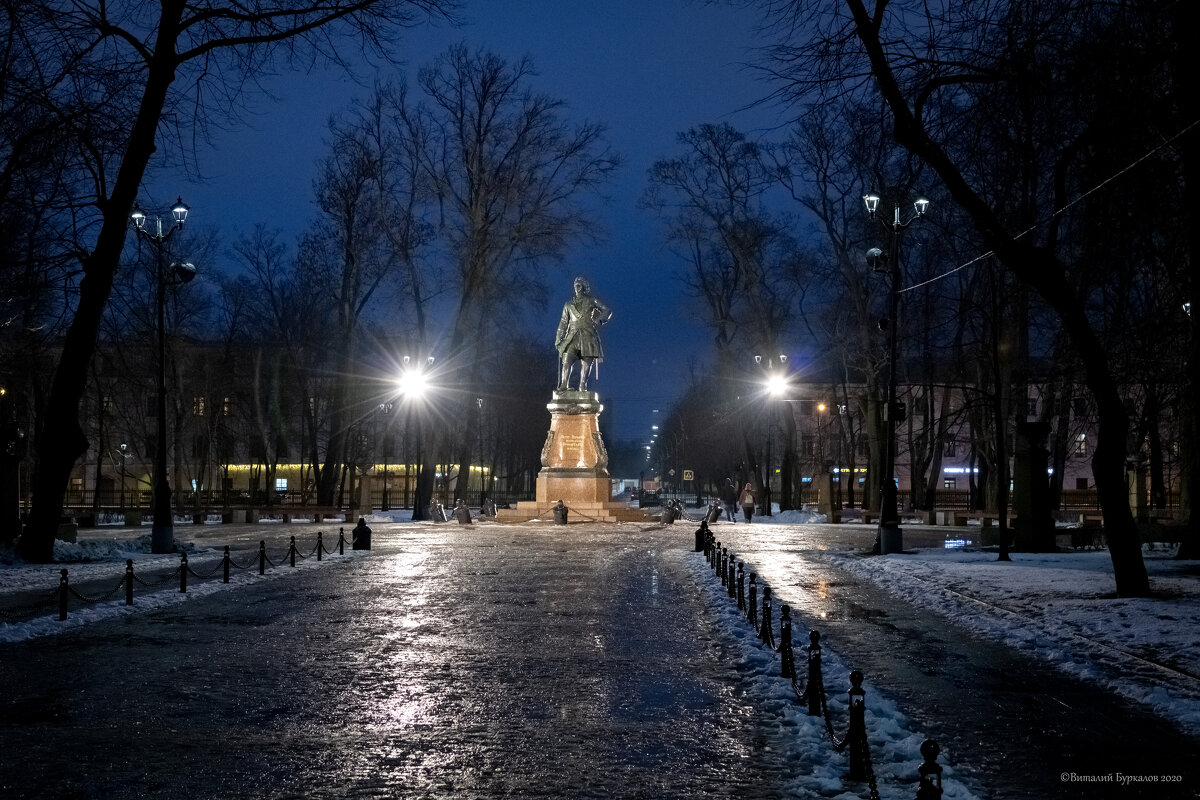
(524, 661)
(502, 661)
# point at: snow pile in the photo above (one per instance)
(100, 559)
(895, 747)
(1061, 607)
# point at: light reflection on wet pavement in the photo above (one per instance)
(482, 662)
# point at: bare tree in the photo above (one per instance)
(944, 72)
(129, 58)
(744, 268)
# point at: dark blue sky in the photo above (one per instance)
(648, 69)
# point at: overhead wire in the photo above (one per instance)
(1060, 211)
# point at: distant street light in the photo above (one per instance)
(413, 384)
(888, 538)
(162, 534)
(777, 385)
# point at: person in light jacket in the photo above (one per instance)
(746, 501)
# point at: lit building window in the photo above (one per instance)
(281, 484)
(1081, 445)
(951, 483)
(198, 406)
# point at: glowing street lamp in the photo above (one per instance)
(413, 384)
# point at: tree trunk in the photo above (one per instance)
(62, 441)
(1041, 270)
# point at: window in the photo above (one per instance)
(864, 446)
(1081, 445)
(198, 406)
(281, 484)
(1081, 484)
(808, 444)
(807, 408)
(950, 448)
(1081, 406)
(1031, 409)
(199, 446)
(227, 407)
(950, 483)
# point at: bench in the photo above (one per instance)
(986, 519)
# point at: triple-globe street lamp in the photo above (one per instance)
(889, 539)
(162, 534)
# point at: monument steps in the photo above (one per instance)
(583, 511)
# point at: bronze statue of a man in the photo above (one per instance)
(578, 339)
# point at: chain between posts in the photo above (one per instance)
(813, 693)
(60, 595)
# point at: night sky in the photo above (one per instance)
(648, 70)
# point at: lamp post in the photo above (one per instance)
(162, 534)
(776, 383)
(482, 482)
(123, 447)
(385, 409)
(888, 537)
(412, 385)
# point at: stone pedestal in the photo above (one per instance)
(574, 466)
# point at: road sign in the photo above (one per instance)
(688, 475)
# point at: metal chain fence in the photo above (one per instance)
(731, 573)
(59, 597)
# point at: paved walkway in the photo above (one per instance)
(447, 663)
(526, 662)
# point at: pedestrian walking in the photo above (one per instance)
(746, 501)
(729, 497)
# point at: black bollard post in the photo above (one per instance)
(129, 581)
(724, 562)
(292, 551)
(731, 584)
(857, 733)
(62, 596)
(262, 557)
(929, 783)
(225, 566)
(183, 572)
(341, 541)
(752, 606)
(787, 659)
(766, 633)
(815, 686)
(716, 555)
(741, 592)
(320, 546)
